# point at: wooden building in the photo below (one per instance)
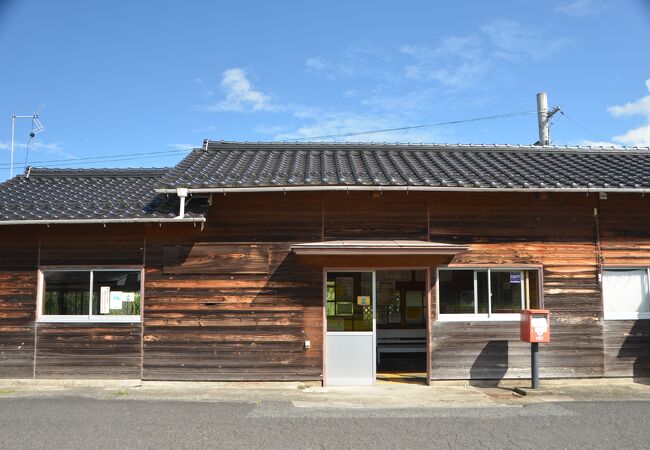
(276, 261)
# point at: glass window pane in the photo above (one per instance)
(414, 311)
(483, 290)
(116, 293)
(625, 291)
(456, 291)
(349, 301)
(506, 292)
(66, 292)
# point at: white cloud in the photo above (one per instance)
(349, 122)
(45, 147)
(182, 146)
(36, 148)
(396, 86)
(638, 107)
(240, 95)
(588, 143)
(360, 60)
(636, 137)
(639, 136)
(469, 61)
(512, 41)
(456, 62)
(579, 8)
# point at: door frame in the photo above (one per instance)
(374, 270)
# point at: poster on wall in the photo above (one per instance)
(116, 300)
(364, 300)
(104, 303)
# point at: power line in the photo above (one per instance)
(107, 160)
(582, 126)
(146, 155)
(413, 127)
(92, 159)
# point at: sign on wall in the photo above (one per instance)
(104, 304)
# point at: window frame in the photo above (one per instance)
(627, 315)
(90, 317)
(489, 316)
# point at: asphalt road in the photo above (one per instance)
(77, 422)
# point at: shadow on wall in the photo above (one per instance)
(636, 346)
(491, 363)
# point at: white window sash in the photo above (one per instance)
(506, 317)
(90, 317)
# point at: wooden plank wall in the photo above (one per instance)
(625, 240)
(247, 320)
(233, 326)
(90, 350)
(557, 233)
(104, 351)
(18, 259)
(245, 324)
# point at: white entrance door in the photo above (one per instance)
(351, 328)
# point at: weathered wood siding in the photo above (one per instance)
(230, 302)
(18, 259)
(625, 240)
(97, 350)
(238, 326)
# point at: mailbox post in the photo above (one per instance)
(535, 327)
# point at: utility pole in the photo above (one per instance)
(543, 119)
(11, 164)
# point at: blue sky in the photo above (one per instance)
(126, 78)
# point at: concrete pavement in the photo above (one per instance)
(382, 395)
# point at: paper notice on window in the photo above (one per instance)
(104, 299)
(116, 300)
(128, 297)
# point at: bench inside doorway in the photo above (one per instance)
(401, 341)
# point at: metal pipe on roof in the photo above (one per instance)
(102, 221)
(182, 195)
(226, 190)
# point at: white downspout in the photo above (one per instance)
(182, 195)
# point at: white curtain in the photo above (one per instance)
(625, 291)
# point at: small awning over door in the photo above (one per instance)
(388, 247)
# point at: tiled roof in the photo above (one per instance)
(241, 165)
(85, 194)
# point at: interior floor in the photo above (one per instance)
(402, 367)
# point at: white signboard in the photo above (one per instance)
(128, 296)
(539, 325)
(116, 300)
(104, 300)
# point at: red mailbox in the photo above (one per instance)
(535, 325)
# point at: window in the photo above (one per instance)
(349, 301)
(401, 299)
(625, 293)
(469, 294)
(105, 295)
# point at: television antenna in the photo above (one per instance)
(37, 127)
